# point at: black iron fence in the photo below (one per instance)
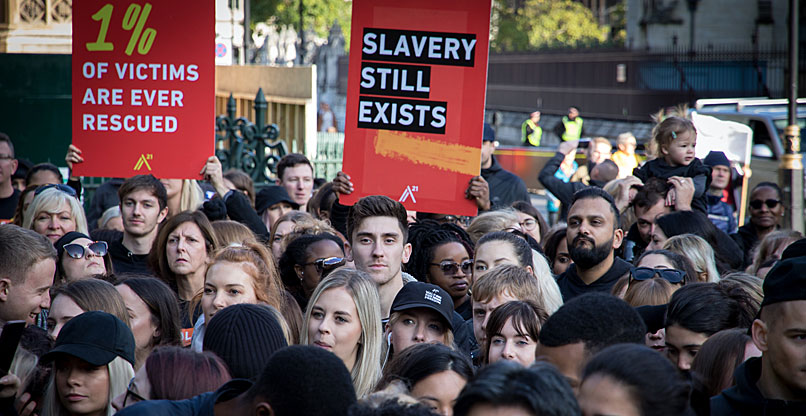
(255, 147)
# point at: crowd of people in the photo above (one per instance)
(205, 297)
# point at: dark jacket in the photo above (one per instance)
(571, 285)
(747, 238)
(746, 399)
(721, 214)
(699, 173)
(123, 260)
(564, 191)
(201, 405)
(240, 209)
(505, 187)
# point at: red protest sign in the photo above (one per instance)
(415, 101)
(143, 87)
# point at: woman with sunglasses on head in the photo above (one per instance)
(54, 212)
(307, 260)
(699, 310)
(766, 211)
(79, 257)
(443, 256)
(655, 276)
(92, 364)
(238, 274)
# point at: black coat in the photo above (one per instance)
(746, 399)
(505, 187)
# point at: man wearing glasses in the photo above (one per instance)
(8, 165)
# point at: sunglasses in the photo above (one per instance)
(646, 273)
(771, 203)
(450, 267)
(326, 265)
(77, 251)
(64, 188)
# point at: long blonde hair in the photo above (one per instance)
(51, 201)
(120, 373)
(696, 249)
(192, 195)
(366, 371)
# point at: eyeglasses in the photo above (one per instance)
(6, 157)
(529, 224)
(771, 203)
(646, 273)
(64, 188)
(326, 265)
(129, 392)
(77, 251)
(450, 267)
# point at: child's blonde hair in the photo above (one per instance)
(667, 131)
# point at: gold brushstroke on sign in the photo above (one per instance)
(421, 151)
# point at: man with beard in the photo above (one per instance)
(600, 174)
(593, 234)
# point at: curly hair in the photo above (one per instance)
(425, 237)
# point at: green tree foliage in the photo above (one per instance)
(319, 15)
(544, 24)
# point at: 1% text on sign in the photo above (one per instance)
(135, 20)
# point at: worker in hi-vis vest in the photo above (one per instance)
(531, 133)
(570, 128)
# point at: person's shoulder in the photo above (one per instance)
(159, 408)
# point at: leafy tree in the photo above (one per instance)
(544, 24)
(319, 15)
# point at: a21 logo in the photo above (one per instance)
(143, 161)
(409, 193)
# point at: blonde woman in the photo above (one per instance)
(92, 364)
(54, 212)
(770, 249)
(500, 220)
(699, 252)
(183, 195)
(344, 317)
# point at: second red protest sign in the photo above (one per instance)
(415, 101)
(143, 87)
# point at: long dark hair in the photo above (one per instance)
(708, 308)
(657, 385)
(162, 303)
(422, 360)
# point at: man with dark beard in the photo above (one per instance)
(592, 236)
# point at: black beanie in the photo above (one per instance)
(244, 336)
(303, 380)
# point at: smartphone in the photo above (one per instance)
(9, 339)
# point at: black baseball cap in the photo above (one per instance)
(271, 195)
(489, 133)
(425, 295)
(785, 282)
(95, 337)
